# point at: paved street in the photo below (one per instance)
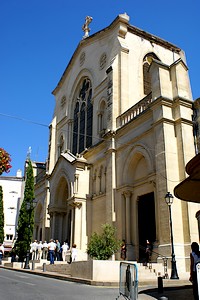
(24, 286)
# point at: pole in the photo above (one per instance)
(174, 274)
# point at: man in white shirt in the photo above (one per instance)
(44, 250)
(65, 248)
(33, 249)
(74, 252)
(51, 248)
(39, 250)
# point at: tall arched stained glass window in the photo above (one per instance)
(82, 128)
(89, 120)
(75, 129)
(83, 117)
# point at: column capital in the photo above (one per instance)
(76, 204)
(127, 193)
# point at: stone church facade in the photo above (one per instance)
(121, 135)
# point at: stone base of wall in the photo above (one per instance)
(97, 270)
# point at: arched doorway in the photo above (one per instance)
(146, 222)
(59, 211)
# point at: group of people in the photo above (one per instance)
(52, 251)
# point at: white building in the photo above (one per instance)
(13, 188)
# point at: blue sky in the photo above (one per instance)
(38, 39)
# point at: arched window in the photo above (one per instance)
(89, 119)
(82, 128)
(102, 118)
(146, 75)
(83, 118)
(75, 129)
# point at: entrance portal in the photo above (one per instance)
(146, 222)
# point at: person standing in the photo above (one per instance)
(39, 250)
(34, 249)
(194, 259)
(1, 252)
(58, 250)
(148, 251)
(44, 250)
(65, 248)
(123, 250)
(51, 248)
(74, 252)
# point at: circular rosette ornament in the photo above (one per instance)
(4, 161)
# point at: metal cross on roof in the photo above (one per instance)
(85, 26)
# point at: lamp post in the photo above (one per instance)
(29, 207)
(169, 200)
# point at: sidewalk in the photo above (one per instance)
(179, 292)
(172, 289)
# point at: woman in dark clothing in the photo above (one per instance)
(194, 259)
(123, 250)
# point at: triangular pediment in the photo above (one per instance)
(69, 163)
(65, 161)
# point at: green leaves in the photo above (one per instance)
(103, 246)
(4, 161)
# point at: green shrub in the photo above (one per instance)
(103, 246)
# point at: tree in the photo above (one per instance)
(1, 216)
(103, 246)
(4, 167)
(26, 216)
(4, 161)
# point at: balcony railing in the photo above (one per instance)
(134, 111)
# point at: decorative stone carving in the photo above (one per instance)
(102, 61)
(63, 102)
(82, 58)
(76, 204)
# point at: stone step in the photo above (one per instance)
(58, 268)
(156, 268)
(144, 272)
(151, 272)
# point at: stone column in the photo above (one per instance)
(60, 231)
(78, 224)
(70, 135)
(127, 195)
(130, 252)
(64, 227)
(53, 226)
(72, 226)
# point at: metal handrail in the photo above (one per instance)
(152, 251)
(164, 258)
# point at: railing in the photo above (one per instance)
(128, 285)
(134, 111)
(164, 258)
